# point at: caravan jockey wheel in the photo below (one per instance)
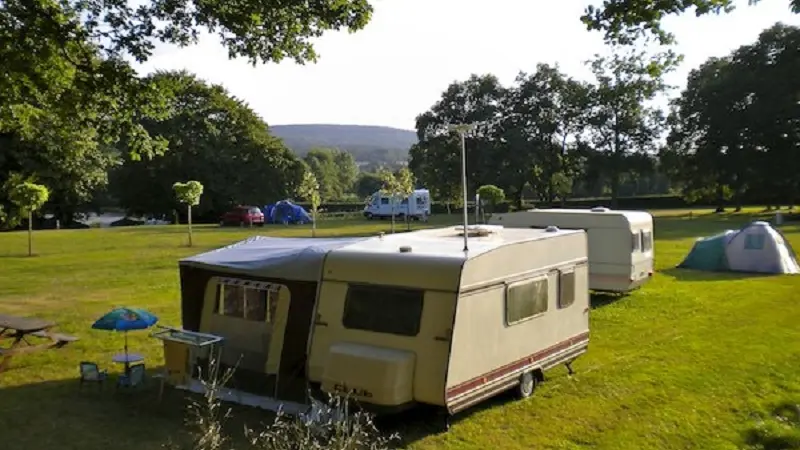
(527, 384)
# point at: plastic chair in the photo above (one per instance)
(133, 378)
(91, 373)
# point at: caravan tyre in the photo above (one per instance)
(527, 384)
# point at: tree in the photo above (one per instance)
(215, 139)
(436, 159)
(493, 195)
(620, 121)
(189, 194)
(625, 21)
(367, 184)
(404, 183)
(72, 103)
(393, 187)
(309, 190)
(734, 128)
(335, 170)
(28, 197)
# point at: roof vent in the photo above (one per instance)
(551, 229)
(477, 231)
(600, 209)
(405, 249)
(380, 235)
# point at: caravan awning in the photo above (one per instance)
(298, 259)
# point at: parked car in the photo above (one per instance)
(243, 215)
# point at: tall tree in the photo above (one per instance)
(621, 121)
(436, 159)
(215, 139)
(625, 21)
(308, 189)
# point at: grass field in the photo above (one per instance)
(689, 361)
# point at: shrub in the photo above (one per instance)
(329, 426)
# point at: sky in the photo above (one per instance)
(397, 66)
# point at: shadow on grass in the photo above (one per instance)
(680, 274)
(601, 299)
(780, 430)
(61, 414)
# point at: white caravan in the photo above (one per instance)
(620, 242)
(416, 206)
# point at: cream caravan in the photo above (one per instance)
(620, 242)
(395, 320)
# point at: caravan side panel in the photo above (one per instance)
(489, 352)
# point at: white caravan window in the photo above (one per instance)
(526, 299)
(383, 309)
(636, 242)
(647, 241)
(246, 303)
(566, 289)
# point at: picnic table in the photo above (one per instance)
(15, 332)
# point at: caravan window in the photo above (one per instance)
(246, 303)
(566, 289)
(647, 241)
(636, 242)
(526, 299)
(384, 200)
(383, 309)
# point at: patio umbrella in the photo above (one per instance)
(125, 319)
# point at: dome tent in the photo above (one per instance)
(287, 212)
(757, 247)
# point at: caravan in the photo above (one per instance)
(620, 242)
(394, 321)
(416, 206)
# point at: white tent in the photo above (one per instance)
(759, 247)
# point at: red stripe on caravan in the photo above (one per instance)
(500, 372)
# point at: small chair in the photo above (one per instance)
(133, 378)
(91, 373)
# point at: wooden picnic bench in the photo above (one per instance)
(16, 331)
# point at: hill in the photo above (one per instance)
(368, 144)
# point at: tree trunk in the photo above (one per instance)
(189, 219)
(30, 233)
(614, 189)
(313, 221)
(720, 199)
(408, 211)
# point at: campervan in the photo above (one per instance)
(416, 206)
(392, 321)
(620, 242)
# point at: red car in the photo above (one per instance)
(243, 215)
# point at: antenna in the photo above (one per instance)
(462, 130)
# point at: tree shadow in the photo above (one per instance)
(62, 414)
(681, 274)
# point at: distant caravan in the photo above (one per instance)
(416, 206)
(394, 321)
(621, 250)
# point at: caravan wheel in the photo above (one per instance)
(527, 384)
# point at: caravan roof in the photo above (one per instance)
(448, 242)
(631, 217)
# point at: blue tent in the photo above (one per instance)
(709, 253)
(286, 212)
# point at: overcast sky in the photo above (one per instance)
(398, 66)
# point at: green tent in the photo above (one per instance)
(709, 253)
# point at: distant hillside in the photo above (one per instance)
(371, 144)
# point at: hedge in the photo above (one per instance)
(640, 202)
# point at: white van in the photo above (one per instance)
(620, 242)
(416, 206)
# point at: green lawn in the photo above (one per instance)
(686, 362)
